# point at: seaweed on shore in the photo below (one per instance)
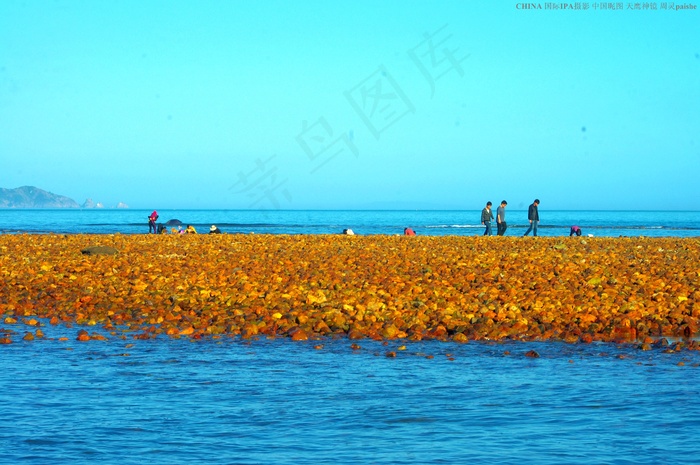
(633, 290)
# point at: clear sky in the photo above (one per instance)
(320, 104)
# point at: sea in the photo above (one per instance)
(432, 223)
(274, 401)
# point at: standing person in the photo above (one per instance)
(153, 217)
(533, 216)
(486, 217)
(501, 225)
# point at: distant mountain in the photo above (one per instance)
(90, 204)
(33, 197)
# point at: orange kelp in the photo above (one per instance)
(380, 287)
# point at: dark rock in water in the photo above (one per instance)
(173, 223)
(532, 354)
(99, 250)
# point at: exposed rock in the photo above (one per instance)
(33, 197)
(90, 204)
(99, 250)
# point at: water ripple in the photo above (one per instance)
(280, 402)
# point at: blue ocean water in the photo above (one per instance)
(435, 223)
(280, 402)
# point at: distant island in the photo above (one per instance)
(33, 197)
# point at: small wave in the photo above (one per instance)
(457, 226)
(619, 226)
(196, 224)
(433, 226)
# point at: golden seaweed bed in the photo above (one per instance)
(381, 287)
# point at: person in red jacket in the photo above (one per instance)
(408, 232)
(152, 222)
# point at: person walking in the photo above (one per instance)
(486, 217)
(533, 216)
(501, 225)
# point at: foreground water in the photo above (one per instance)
(273, 401)
(434, 223)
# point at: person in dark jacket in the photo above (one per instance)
(501, 225)
(486, 217)
(533, 216)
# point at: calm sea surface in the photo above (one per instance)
(279, 402)
(436, 223)
(229, 401)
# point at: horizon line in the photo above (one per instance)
(327, 209)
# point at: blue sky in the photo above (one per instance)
(351, 104)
